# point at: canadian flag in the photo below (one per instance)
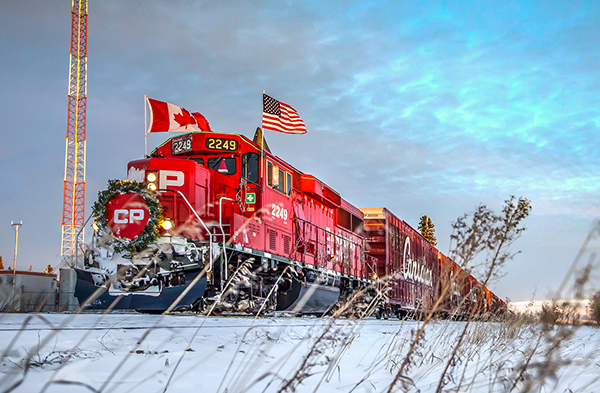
(166, 117)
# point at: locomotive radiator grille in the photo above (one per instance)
(286, 244)
(272, 239)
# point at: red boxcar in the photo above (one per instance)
(405, 258)
(452, 288)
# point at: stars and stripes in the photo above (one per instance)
(281, 117)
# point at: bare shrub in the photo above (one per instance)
(485, 232)
(595, 307)
(554, 312)
(551, 312)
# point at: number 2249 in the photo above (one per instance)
(279, 212)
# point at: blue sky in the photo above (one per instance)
(423, 107)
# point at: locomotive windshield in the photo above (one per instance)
(226, 165)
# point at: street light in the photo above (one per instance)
(16, 226)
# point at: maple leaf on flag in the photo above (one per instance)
(184, 118)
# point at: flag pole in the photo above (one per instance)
(145, 127)
(262, 132)
(262, 136)
(262, 126)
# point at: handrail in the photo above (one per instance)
(222, 231)
(334, 238)
(328, 231)
(201, 222)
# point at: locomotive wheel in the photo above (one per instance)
(199, 305)
(386, 314)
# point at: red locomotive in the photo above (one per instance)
(240, 229)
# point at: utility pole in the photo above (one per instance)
(16, 226)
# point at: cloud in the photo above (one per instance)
(426, 108)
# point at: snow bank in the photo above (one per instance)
(184, 353)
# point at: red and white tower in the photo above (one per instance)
(74, 182)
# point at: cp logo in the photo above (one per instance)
(168, 179)
(127, 215)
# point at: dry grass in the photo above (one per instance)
(518, 352)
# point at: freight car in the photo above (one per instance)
(406, 258)
(418, 277)
(216, 220)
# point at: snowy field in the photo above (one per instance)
(185, 353)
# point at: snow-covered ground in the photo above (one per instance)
(185, 353)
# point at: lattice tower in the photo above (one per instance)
(74, 181)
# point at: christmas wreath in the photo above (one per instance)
(150, 232)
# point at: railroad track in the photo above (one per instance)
(123, 322)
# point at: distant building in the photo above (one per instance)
(32, 291)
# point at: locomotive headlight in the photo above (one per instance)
(151, 177)
(167, 225)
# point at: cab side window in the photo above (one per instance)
(278, 179)
(281, 180)
(272, 175)
(250, 167)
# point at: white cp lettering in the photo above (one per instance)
(124, 216)
(168, 179)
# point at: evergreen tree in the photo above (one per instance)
(427, 229)
(432, 239)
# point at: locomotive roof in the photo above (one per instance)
(255, 146)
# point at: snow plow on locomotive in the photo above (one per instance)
(214, 221)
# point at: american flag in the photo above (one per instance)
(281, 117)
